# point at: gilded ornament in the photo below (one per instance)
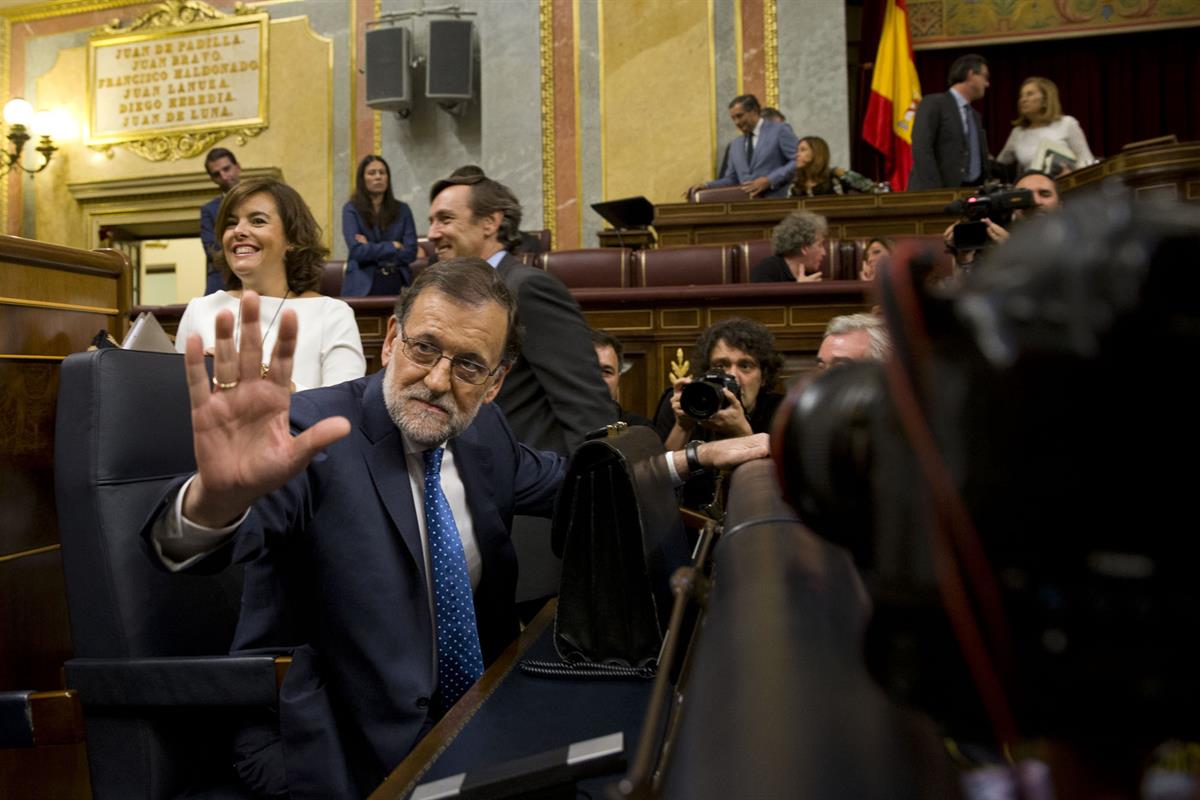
(680, 368)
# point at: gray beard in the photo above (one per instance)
(421, 428)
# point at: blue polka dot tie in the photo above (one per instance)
(460, 660)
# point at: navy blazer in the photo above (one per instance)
(774, 156)
(939, 145)
(364, 259)
(215, 281)
(335, 575)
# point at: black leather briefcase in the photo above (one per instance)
(618, 530)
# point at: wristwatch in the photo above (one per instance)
(691, 450)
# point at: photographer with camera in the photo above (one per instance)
(986, 216)
(736, 364)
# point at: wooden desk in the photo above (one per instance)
(1171, 170)
(849, 216)
(509, 715)
(53, 300)
(633, 239)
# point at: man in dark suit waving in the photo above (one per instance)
(373, 520)
(763, 160)
(949, 144)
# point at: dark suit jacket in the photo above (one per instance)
(208, 237)
(554, 393)
(939, 146)
(335, 575)
(774, 156)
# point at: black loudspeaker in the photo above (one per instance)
(389, 78)
(451, 65)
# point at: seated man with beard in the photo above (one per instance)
(373, 519)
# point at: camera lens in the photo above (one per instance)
(700, 400)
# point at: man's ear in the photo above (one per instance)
(491, 223)
(389, 340)
(497, 382)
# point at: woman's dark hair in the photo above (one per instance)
(816, 170)
(305, 256)
(389, 209)
(746, 335)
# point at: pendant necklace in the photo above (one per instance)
(264, 369)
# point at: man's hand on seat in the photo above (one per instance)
(244, 447)
(726, 453)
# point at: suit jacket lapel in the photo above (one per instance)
(759, 147)
(389, 469)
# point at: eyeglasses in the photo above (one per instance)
(427, 355)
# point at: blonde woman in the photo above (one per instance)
(1040, 119)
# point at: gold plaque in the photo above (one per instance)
(182, 77)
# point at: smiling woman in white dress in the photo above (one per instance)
(271, 244)
(1040, 119)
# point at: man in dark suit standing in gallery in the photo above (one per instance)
(554, 394)
(949, 144)
(763, 160)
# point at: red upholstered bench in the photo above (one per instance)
(331, 278)
(593, 267)
(691, 265)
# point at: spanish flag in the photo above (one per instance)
(895, 93)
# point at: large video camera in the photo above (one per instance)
(997, 205)
(1005, 481)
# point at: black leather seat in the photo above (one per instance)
(160, 694)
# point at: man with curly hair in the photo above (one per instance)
(798, 244)
(740, 348)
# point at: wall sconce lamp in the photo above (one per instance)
(19, 117)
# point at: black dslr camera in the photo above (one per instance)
(1005, 481)
(705, 396)
(997, 205)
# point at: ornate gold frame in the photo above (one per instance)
(549, 192)
(771, 53)
(174, 18)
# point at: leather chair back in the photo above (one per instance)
(594, 267)
(691, 265)
(723, 194)
(123, 432)
(845, 259)
(748, 256)
(331, 278)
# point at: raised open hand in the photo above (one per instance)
(244, 447)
